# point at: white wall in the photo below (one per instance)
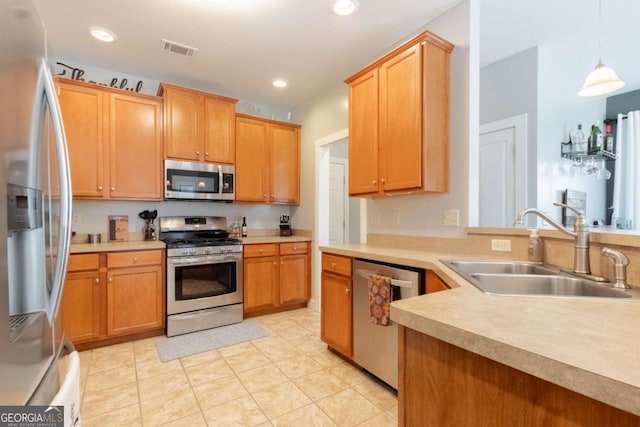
(509, 88)
(92, 216)
(423, 214)
(322, 116)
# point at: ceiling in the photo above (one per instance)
(508, 27)
(243, 44)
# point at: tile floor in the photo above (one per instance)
(286, 379)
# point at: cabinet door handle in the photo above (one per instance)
(382, 181)
(110, 279)
(274, 263)
(97, 280)
(197, 152)
(374, 182)
(346, 291)
(281, 262)
(264, 195)
(206, 154)
(99, 187)
(113, 188)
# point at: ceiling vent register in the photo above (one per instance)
(178, 48)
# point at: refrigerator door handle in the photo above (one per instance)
(65, 192)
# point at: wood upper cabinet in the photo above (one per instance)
(267, 161)
(252, 151)
(337, 304)
(113, 294)
(284, 163)
(115, 142)
(135, 137)
(276, 276)
(399, 120)
(198, 126)
(84, 122)
(363, 133)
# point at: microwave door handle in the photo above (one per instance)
(65, 192)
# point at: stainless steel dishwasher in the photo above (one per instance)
(375, 347)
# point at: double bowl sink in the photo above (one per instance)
(529, 279)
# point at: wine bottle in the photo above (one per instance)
(608, 140)
(244, 226)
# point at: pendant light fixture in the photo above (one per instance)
(602, 79)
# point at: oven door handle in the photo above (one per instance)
(203, 260)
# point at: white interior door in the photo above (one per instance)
(503, 171)
(497, 178)
(337, 205)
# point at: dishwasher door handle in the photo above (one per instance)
(394, 282)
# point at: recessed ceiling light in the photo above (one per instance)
(344, 7)
(279, 83)
(103, 34)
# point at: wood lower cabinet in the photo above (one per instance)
(198, 126)
(267, 161)
(434, 283)
(337, 304)
(82, 300)
(109, 297)
(276, 277)
(444, 385)
(399, 120)
(114, 140)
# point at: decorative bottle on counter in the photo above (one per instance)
(244, 226)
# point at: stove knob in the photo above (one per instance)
(207, 251)
(184, 252)
(221, 250)
(192, 251)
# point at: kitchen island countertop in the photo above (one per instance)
(588, 345)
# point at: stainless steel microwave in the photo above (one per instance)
(198, 181)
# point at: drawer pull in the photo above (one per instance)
(334, 265)
(260, 250)
(135, 259)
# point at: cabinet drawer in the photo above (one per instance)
(83, 262)
(336, 264)
(133, 259)
(252, 251)
(294, 248)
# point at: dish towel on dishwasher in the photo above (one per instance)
(379, 299)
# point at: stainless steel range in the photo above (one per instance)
(204, 274)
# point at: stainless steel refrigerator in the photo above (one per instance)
(35, 211)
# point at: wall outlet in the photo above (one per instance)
(396, 217)
(452, 217)
(501, 245)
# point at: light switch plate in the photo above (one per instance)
(396, 217)
(452, 217)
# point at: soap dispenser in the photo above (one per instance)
(536, 248)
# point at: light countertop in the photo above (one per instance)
(134, 245)
(274, 239)
(588, 345)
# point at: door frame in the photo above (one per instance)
(321, 223)
(345, 194)
(519, 124)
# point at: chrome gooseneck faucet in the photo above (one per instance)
(581, 264)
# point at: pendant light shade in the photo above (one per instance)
(600, 81)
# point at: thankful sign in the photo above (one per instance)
(78, 74)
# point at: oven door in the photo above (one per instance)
(196, 283)
(190, 180)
